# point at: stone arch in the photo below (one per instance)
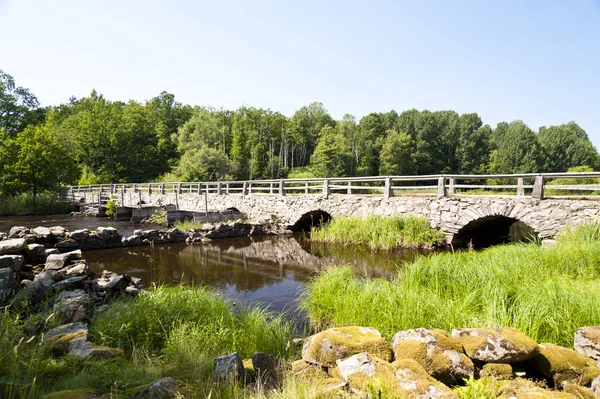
(493, 230)
(311, 219)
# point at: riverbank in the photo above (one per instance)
(24, 204)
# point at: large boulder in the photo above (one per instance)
(18, 231)
(59, 261)
(412, 381)
(68, 284)
(564, 365)
(499, 371)
(73, 306)
(521, 388)
(176, 235)
(439, 353)
(79, 235)
(67, 245)
(165, 388)
(496, 345)
(12, 246)
(8, 285)
(15, 262)
(229, 368)
(58, 338)
(57, 231)
(361, 370)
(587, 342)
(109, 235)
(35, 253)
(267, 369)
(36, 291)
(328, 346)
(41, 231)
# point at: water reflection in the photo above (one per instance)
(270, 270)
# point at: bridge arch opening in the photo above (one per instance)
(493, 230)
(311, 219)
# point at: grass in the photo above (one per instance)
(23, 204)
(188, 224)
(545, 292)
(167, 331)
(378, 232)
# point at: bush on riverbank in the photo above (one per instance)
(23, 204)
(545, 292)
(378, 232)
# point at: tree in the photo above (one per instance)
(517, 150)
(370, 139)
(396, 155)
(567, 146)
(17, 106)
(42, 162)
(8, 157)
(305, 126)
(332, 155)
(203, 164)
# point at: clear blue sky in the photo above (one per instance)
(534, 60)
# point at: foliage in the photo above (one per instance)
(378, 232)
(332, 154)
(111, 208)
(18, 106)
(517, 150)
(46, 203)
(571, 182)
(545, 292)
(396, 155)
(567, 145)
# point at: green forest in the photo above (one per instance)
(93, 140)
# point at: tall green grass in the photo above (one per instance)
(378, 232)
(545, 292)
(23, 204)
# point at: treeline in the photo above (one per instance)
(92, 140)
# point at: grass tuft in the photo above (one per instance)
(378, 232)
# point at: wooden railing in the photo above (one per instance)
(533, 184)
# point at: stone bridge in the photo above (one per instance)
(302, 203)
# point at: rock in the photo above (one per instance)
(134, 240)
(132, 291)
(80, 235)
(79, 269)
(8, 285)
(176, 235)
(360, 369)
(51, 251)
(108, 233)
(587, 342)
(499, 371)
(36, 291)
(207, 227)
(116, 284)
(439, 353)
(59, 338)
(13, 246)
(41, 231)
(18, 231)
(73, 306)
(228, 368)
(412, 381)
(15, 262)
(164, 388)
(316, 381)
(565, 365)
(138, 232)
(35, 253)
(579, 391)
(67, 245)
(68, 284)
(328, 346)
(524, 389)
(57, 262)
(81, 347)
(57, 231)
(267, 369)
(496, 345)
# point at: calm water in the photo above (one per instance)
(270, 270)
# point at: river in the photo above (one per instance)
(270, 270)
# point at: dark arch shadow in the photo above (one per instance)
(233, 210)
(493, 230)
(311, 219)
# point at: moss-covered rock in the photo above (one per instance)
(579, 391)
(165, 388)
(412, 380)
(438, 352)
(328, 346)
(59, 338)
(499, 371)
(361, 369)
(587, 342)
(524, 389)
(565, 365)
(320, 384)
(496, 345)
(72, 394)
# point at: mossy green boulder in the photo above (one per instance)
(587, 342)
(439, 353)
(521, 388)
(328, 346)
(411, 380)
(496, 345)
(564, 365)
(499, 371)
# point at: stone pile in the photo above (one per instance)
(422, 363)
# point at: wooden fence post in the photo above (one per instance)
(326, 190)
(281, 187)
(538, 188)
(306, 188)
(388, 191)
(441, 189)
(245, 188)
(520, 187)
(349, 189)
(219, 192)
(451, 188)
